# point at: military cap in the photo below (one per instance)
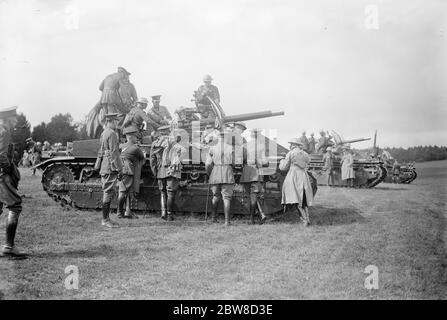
(296, 141)
(143, 100)
(121, 69)
(329, 149)
(207, 77)
(130, 130)
(8, 112)
(156, 97)
(111, 116)
(323, 132)
(241, 124)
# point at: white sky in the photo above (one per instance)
(315, 60)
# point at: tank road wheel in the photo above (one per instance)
(56, 174)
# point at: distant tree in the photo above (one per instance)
(61, 129)
(21, 132)
(40, 132)
(82, 130)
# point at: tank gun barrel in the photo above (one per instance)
(354, 140)
(252, 116)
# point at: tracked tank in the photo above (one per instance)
(369, 172)
(407, 172)
(72, 180)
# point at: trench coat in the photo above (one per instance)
(347, 172)
(297, 182)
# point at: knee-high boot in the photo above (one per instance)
(121, 203)
(227, 210)
(214, 205)
(253, 205)
(261, 212)
(170, 205)
(11, 228)
(163, 204)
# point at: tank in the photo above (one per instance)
(369, 172)
(407, 170)
(72, 181)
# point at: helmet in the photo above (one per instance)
(296, 141)
(143, 100)
(207, 77)
(130, 130)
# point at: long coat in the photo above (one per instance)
(347, 172)
(109, 87)
(297, 182)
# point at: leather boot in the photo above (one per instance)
(252, 209)
(11, 228)
(121, 204)
(163, 204)
(214, 205)
(170, 206)
(261, 212)
(106, 215)
(227, 208)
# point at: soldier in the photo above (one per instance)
(127, 92)
(396, 171)
(305, 142)
(251, 178)
(158, 114)
(110, 165)
(207, 89)
(203, 95)
(312, 144)
(132, 158)
(297, 189)
(136, 118)
(9, 180)
(110, 99)
(166, 159)
(219, 163)
(347, 169)
(328, 167)
(37, 155)
(324, 142)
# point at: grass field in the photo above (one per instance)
(398, 228)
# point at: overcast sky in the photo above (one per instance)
(322, 62)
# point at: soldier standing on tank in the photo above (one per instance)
(166, 160)
(132, 158)
(111, 101)
(324, 142)
(9, 180)
(251, 178)
(305, 141)
(205, 92)
(312, 144)
(219, 164)
(158, 114)
(110, 166)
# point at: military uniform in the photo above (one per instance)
(133, 159)
(251, 178)
(110, 98)
(219, 163)
(211, 91)
(110, 167)
(328, 160)
(323, 143)
(347, 170)
(128, 93)
(166, 159)
(159, 116)
(9, 182)
(312, 143)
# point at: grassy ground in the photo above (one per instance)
(398, 228)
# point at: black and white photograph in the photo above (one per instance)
(240, 152)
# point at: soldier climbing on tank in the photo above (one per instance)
(9, 181)
(127, 92)
(111, 101)
(137, 117)
(110, 166)
(166, 160)
(158, 114)
(219, 165)
(251, 179)
(133, 159)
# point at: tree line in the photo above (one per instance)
(419, 153)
